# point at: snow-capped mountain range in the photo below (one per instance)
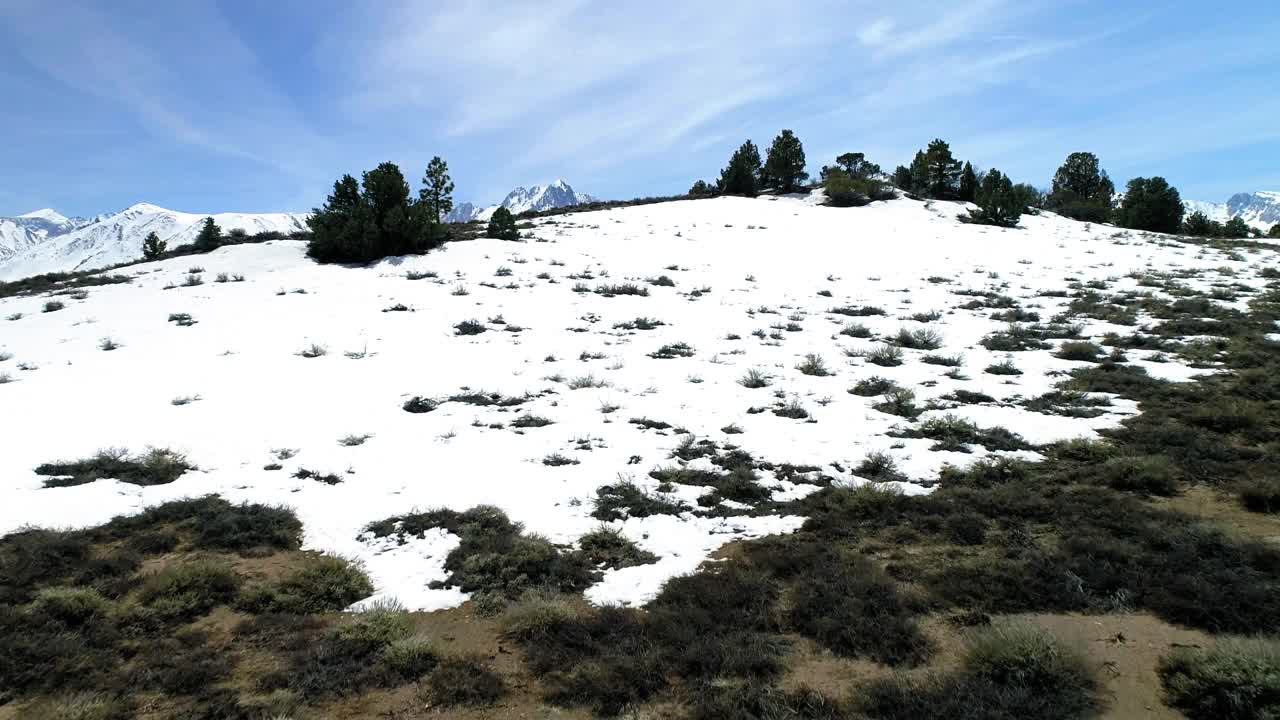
(1258, 209)
(539, 197)
(46, 241)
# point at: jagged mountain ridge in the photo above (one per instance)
(1259, 209)
(556, 194)
(45, 241)
(25, 231)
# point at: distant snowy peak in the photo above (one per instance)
(1258, 209)
(539, 197)
(30, 229)
(35, 243)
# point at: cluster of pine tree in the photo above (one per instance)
(781, 170)
(1199, 225)
(378, 217)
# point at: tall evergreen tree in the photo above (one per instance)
(785, 164)
(502, 225)
(1274, 232)
(153, 247)
(1236, 228)
(742, 176)
(1198, 224)
(377, 218)
(437, 190)
(997, 204)
(920, 174)
(701, 188)
(902, 177)
(1028, 197)
(1151, 204)
(968, 184)
(943, 170)
(210, 236)
(1081, 189)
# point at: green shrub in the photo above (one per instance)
(874, 385)
(1146, 474)
(70, 605)
(323, 583)
(462, 680)
(183, 592)
(1075, 350)
(1261, 495)
(608, 548)
(158, 466)
(78, 706)
(1238, 678)
(760, 701)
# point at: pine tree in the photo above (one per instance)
(210, 236)
(1274, 232)
(1236, 228)
(437, 190)
(502, 225)
(997, 204)
(1151, 204)
(701, 188)
(855, 165)
(1081, 189)
(943, 170)
(153, 247)
(968, 184)
(1028, 197)
(785, 163)
(920, 174)
(370, 220)
(902, 178)
(742, 176)
(1198, 224)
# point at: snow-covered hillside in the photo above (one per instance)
(751, 284)
(52, 243)
(557, 194)
(1258, 209)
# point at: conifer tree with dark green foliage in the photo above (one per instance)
(857, 165)
(1028, 197)
(997, 203)
(1197, 224)
(1150, 204)
(785, 164)
(502, 225)
(153, 247)
(1274, 232)
(942, 170)
(371, 220)
(1081, 189)
(968, 191)
(920, 174)
(437, 190)
(742, 176)
(701, 188)
(902, 178)
(210, 236)
(1236, 228)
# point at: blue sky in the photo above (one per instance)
(251, 106)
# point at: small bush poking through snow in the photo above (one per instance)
(419, 404)
(53, 306)
(814, 365)
(469, 327)
(674, 350)
(107, 344)
(1085, 351)
(192, 281)
(182, 319)
(755, 378)
(1004, 367)
(314, 350)
(855, 330)
(157, 466)
(874, 385)
(919, 339)
(885, 356)
(607, 547)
